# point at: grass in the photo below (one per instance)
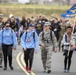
(29, 10)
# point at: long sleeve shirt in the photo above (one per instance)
(27, 40)
(51, 41)
(8, 37)
(65, 43)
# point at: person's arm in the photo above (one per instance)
(36, 42)
(40, 39)
(23, 40)
(73, 41)
(14, 40)
(54, 40)
(0, 38)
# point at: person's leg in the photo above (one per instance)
(31, 55)
(69, 59)
(10, 56)
(4, 49)
(26, 57)
(65, 60)
(44, 58)
(48, 62)
(0, 57)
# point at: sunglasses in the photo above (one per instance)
(7, 26)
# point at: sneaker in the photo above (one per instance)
(68, 71)
(26, 68)
(29, 70)
(5, 68)
(65, 70)
(1, 66)
(44, 70)
(49, 71)
(11, 67)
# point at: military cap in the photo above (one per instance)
(47, 24)
(1, 15)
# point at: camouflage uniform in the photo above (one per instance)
(1, 26)
(63, 30)
(46, 52)
(73, 42)
(0, 56)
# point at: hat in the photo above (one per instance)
(17, 18)
(69, 27)
(1, 15)
(31, 25)
(47, 24)
(11, 15)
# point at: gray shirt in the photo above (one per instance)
(66, 43)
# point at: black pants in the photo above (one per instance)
(67, 59)
(28, 57)
(7, 52)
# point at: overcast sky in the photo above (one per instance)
(23, 1)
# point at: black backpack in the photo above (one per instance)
(65, 38)
(33, 36)
(50, 35)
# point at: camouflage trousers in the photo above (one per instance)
(46, 54)
(0, 56)
(59, 42)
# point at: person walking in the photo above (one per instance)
(30, 43)
(1, 27)
(48, 43)
(68, 50)
(8, 41)
(63, 30)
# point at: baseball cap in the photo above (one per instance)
(31, 25)
(47, 24)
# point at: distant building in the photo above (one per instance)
(8, 1)
(72, 1)
(40, 1)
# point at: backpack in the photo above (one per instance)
(3, 32)
(33, 36)
(50, 35)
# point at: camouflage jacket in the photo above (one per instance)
(47, 37)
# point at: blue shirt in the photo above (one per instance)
(8, 37)
(29, 41)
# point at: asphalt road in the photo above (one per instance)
(57, 64)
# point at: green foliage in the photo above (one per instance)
(21, 9)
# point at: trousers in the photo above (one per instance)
(7, 52)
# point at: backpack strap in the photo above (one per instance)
(26, 35)
(65, 37)
(42, 35)
(50, 35)
(33, 36)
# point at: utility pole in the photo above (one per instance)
(68, 2)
